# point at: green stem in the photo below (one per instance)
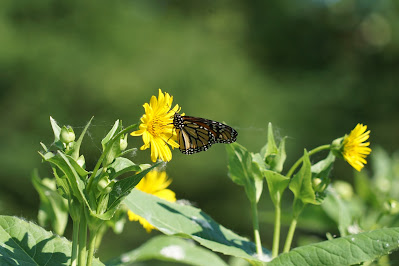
(75, 242)
(290, 235)
(297, 163)
(276, 233)
(82, 239)
(255, 222)
(107, 148)
(92, 244)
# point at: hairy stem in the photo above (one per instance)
(276, 233)
(290, 235)
(82, 239)
(75, 242)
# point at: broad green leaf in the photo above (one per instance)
(123, 188)
(301, 186)
(168, 248)
(182, 220)
(243, 171)
(25, 243)
(349, 250)
(110, 134)
(277, 183)
(76, 146)
(121, 166)
(53, 207)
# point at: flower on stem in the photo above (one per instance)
(353, 147)
(154, 183)
(156, 127)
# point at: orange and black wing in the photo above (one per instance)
(196, 134)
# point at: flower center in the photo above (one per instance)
(155, 126)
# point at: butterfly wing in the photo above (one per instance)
(196, 134)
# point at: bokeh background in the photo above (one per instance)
(314, 68)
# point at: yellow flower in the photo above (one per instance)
(157, 127)
(154, 183)
(355, 149)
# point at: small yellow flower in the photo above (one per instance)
(157, 127)
(355, 149)
(154, 183)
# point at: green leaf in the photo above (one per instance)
(301, 186)
(257, 158)
(25, 243)
(273, 156)
(323, 168)
(349, 250)
(277, 183)
(175, 219)
(121, 166)
(56, 129)
(68, 167)
(364, 188)
(270, 150)
(338, 210)
(76, 146)
(172, 249)
(121, 189)
(53, 207)
(243, 171)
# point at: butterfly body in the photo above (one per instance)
(195, 134)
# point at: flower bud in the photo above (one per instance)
(391, 207)
(123, 143)
(343, 189)
(319, 185)
(104, 185)
(81, 161)
(67, 135)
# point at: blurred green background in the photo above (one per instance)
(314, 68)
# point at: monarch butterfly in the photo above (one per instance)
(195, 134)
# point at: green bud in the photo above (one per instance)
(343, 189)
(391, 207)
(123, 143)
(67, 135)
(81, 161)
(104, 185)
(319, 185)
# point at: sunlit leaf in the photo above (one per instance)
(168, 248)
(349, 250)
(25, 243)
(182, 220)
